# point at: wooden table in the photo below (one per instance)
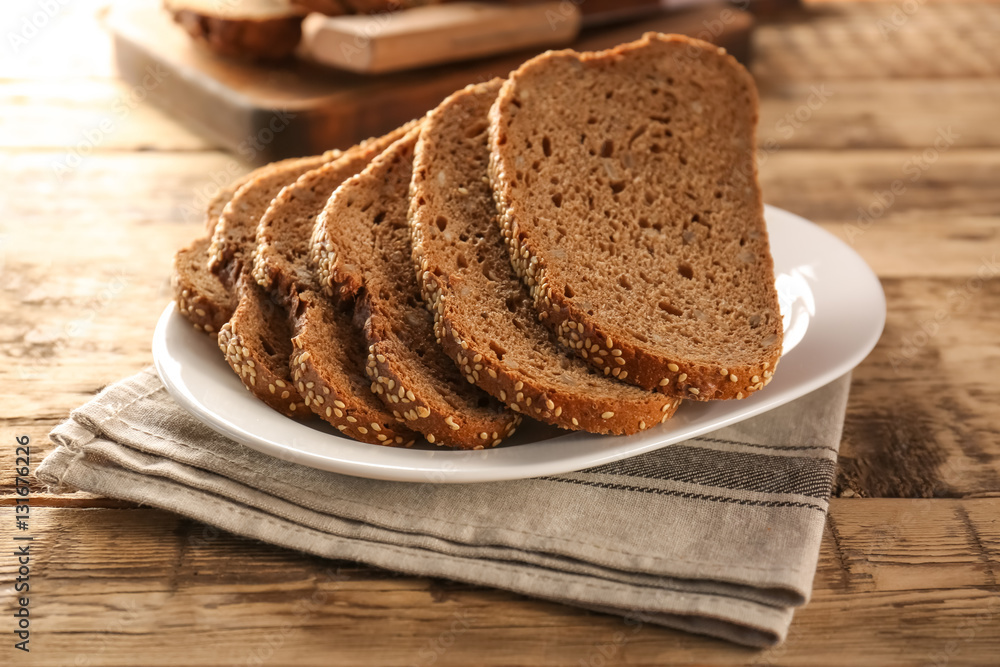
(854, 97)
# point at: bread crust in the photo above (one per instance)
(257, 338)
(348, 266)
(243, 38)
(583, 400)
(588, 335)
(200, 296)
(327, 357)
(236, 231)
(315, 372)
(265, 374)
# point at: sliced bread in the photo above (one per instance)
(483, 316)
(361, 249)
(201, 297)
(245, 29)
(627, 191)
(257, 340)
(281, 249)
(327, 356)
(236, 231)
(328, 365)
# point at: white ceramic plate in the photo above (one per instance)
(833, 309)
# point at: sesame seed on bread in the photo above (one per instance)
(362, 250)
(483, 315)
(328, 358)
(627, 191)
(201, 297)
(257, 340)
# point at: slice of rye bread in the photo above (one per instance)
(257, 340)
(328, 365)
(201, 297)
(328, 357)
(483, 316)
(281, 248)
(361, 249)
(236, 232)
(627, 191)
(244, 29)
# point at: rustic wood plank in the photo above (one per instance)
(85, 116)
(880, 41)
(831, 186)
(69, 114)
(907, 212)
(924, 413)
(866, 114)
(898, 581)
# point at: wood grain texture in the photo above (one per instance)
(880, 41)
(910, 562)
(857, 114)
(898, 581)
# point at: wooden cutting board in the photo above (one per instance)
(268, 112)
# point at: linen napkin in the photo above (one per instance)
(718, 535)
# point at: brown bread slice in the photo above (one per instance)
(483, 316)
(201, 297)
(257, 340)
(361, 248)
(245, 29)
(627, 191)
(257, 345)
(236, 231)
(281, 251)
(328, 357)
